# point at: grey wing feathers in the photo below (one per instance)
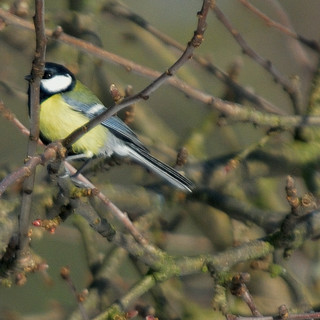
(136, 149)
(114, 124)
(121, 130)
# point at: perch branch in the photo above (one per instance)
(144, 94)
(232, 110)
(194, 43)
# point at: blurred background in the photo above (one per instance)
(165, 122)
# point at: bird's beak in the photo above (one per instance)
(28, 77)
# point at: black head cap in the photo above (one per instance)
(56, 79)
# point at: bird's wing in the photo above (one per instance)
(122, 131)
(91, 106)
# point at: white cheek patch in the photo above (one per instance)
(57, 83)
(95, 109)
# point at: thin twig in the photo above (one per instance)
(194, 43)
(51, 153)
(243, 154)
(119, 215)
(240, 289)
(297, 287)
(26, 170)
(188, 266)
(312, 44)
(65, 275)
(299, 207)
(234, 111)
(120, 10)
(8, 115)
(144, 94)
(138, 290)
(301, 316)
(266, 64)
(36, 73)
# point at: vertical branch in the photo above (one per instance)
(34, 100)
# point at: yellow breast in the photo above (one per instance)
(58, 120)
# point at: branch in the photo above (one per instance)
(51, 152)
(237, 209)
(188, 266)
(8, 115)
(239, 288)
(194, 43)
(311, 44)
(234, 111)
(120, 10)
(28, 169)
(266, 64)
(121, 216)
(36, 74)
(144, 94)
(301, 316)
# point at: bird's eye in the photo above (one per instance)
(47, 75)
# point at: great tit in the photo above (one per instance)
(66, 104)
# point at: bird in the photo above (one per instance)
(66, 104)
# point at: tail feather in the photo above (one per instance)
(160, 168)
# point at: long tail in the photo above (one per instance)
(160, 168)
